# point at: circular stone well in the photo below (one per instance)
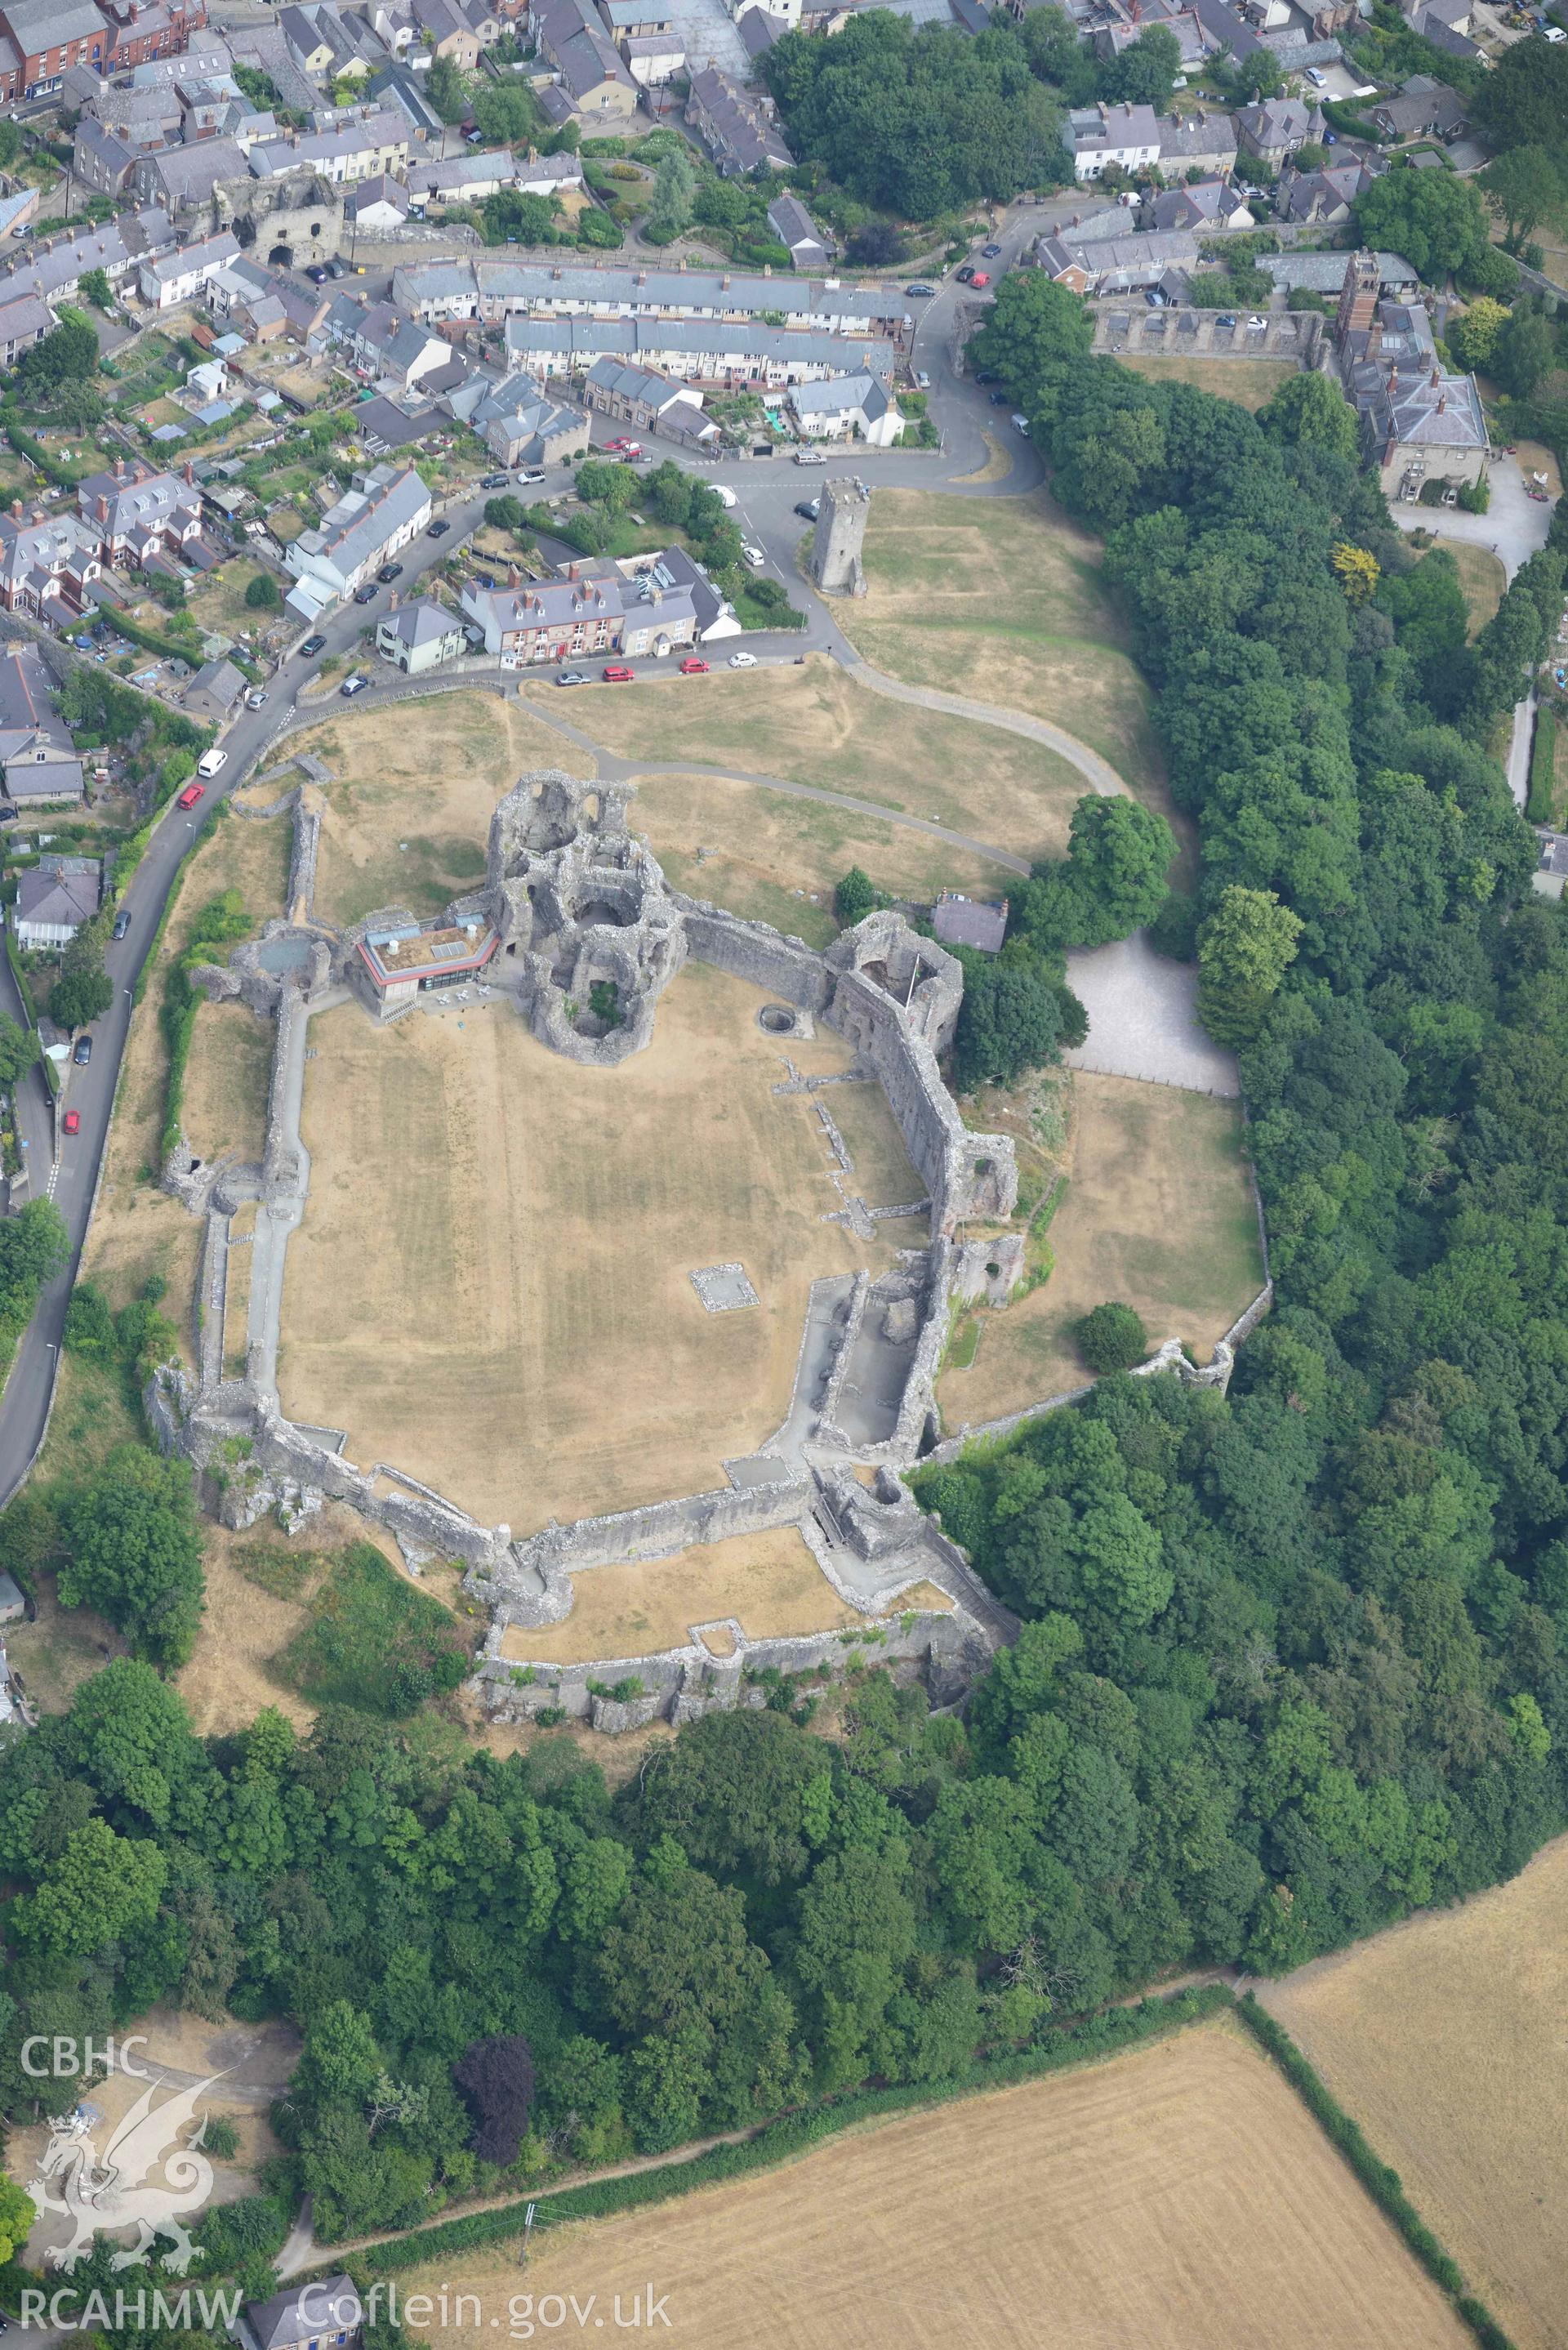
(777, 1019)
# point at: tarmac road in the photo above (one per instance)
(767, 492)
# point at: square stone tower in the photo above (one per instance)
(835, 558)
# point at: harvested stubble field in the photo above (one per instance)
(815, 725)
(490, 1287)
(1251, 384)
(773, 859)
(769, 1581)
(1443, 2037)
(138, 1230)
(1158, 1213)
(1000, 599)
(1175, 2198)
(413, 787)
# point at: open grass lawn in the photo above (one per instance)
(1444, 2037)
(769, 1581)
(218, 605)
(1000, 599)
(413, 787)
(1157, 1213)
(1251, 384)
(490, 1287)
(1482, 577)
(138, 1230)
(1175, 2198)
(815, 725)
(771, 859)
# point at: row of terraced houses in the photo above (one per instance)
(41, 40)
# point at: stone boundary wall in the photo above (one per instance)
(682, 1684)
(201, 1424)
(533, 1583)
(847, 1332)
(1170, 1357)
(274, 808)
(301, 900)
(752, 952)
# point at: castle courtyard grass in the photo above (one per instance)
(769, 1581)
(1158, 1215)
(1443, 2037)
(1177, 2196)
(1251, 384)
(491, 1289)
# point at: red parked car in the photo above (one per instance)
(982, 278)
(693, 668)
(616, 675)
(73, 1121)
(190, 794)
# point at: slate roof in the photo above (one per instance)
(422, 623)
(329, 2305)
(28, 714)
(56, 899)
(628, 338)
(536, 287)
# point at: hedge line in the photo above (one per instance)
(36, 454)
(24, 986)
(1542, 769)
(796, 2134)
(1381, 2183)
(181, 1004)
(166, 647)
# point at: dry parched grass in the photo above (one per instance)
(1176, 2198)
(413, 787)
(771, 859)
(815, 725)
(492, 1285)
(1157, 1213)
(769, 1581)
(1443, 2036)
(1000, 599)
(1251, 384)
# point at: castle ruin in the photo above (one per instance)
(576, 925)
(837, 563)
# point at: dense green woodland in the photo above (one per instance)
(1293, 1662)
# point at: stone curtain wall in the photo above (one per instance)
(682, 1684)
(533, 1583)
(751, 951)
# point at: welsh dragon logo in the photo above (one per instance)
(146, 2179)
